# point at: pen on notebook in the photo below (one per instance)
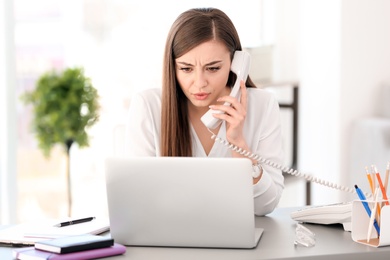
(366, 207)
(73, 222)
(381, 186)
(372, 217)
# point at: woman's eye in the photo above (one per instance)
(185, 69)
(213, 69)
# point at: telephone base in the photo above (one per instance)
(337, 213)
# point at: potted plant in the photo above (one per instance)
(64, 106)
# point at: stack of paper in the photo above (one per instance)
(29, 233)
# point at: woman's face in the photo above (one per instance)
(203, 72)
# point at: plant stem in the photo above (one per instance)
(68, 146)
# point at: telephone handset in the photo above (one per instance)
(240, 66)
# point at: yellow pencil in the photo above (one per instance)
(370, 180)
(373, 177)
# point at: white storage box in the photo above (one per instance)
(361, 221)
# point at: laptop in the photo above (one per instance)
(181, 202)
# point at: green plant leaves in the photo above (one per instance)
(64, 105)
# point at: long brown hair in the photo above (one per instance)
(191, 28)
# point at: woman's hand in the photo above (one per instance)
(234, 116)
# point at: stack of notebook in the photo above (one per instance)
(27, 234)
(86, 246)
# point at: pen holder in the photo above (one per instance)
(361, 221)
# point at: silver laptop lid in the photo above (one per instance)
(181, 201)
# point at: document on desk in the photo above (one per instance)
(29, 233)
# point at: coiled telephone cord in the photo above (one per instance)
(285, 169)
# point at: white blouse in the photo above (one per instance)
(262, 131)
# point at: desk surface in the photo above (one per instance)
(277, 242)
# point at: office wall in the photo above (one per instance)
(338, 50)
(365, 70)
(319, 77)
(287, 42)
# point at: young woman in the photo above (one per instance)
(196, 77)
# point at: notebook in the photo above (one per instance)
(181, 202)
(30, 233)
(32, 253)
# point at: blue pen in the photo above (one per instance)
(365, 204)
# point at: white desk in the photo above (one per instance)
(277, 242)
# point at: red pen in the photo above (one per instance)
(382, 187)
